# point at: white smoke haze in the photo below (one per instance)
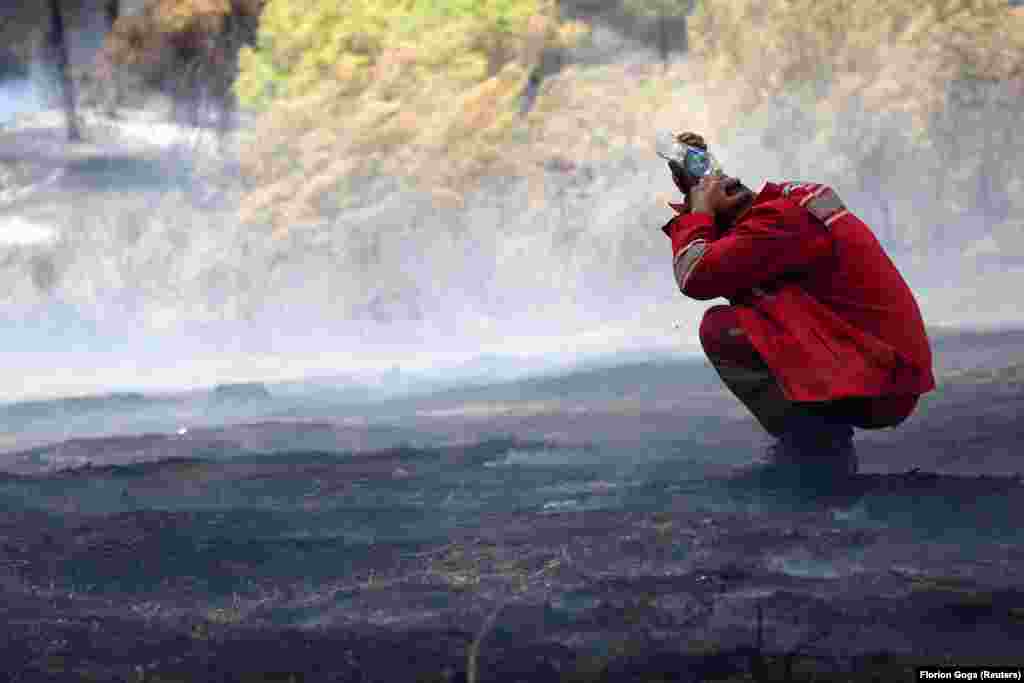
(25, 96)
(130, 283)
(17, 97)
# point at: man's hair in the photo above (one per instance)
(693, 140)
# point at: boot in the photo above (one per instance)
(813, 442)
(838, 456)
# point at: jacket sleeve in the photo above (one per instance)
(773, 239)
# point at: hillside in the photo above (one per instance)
(603, 525)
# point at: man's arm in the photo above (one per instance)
(772, 239)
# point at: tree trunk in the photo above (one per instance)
(530, 91)
(663, 39)
(225, 68)
(195, 93)
(187, 93)
(59, 51)
(995, 173)
(112, 10)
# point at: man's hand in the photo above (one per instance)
(716, 194)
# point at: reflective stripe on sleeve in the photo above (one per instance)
(835, 217)
(687, 259)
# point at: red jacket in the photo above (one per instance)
(816, 294)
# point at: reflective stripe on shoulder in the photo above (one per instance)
(790, 188)
(826, 206)
(808, 197)
(687, 259)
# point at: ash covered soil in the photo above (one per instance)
(600, 525)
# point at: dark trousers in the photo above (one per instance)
(746, 374)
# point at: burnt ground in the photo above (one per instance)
(603, 526)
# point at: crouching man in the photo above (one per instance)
(822, 334)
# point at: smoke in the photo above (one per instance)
(18, 97)
(155, 284)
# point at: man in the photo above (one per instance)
(822, 334)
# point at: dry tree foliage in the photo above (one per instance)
(422, 91)
(164, 24)
(429, 95)
(894, 54)
(185, 44)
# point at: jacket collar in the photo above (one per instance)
(769, 192)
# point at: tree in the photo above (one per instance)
(896, 54)
(188, 46)
(21, 26)
(664, 13)
(423, 90)
(946, 67)
(111, 13)
(59, 53)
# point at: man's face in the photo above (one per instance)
(743, 196)
(734, 187)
